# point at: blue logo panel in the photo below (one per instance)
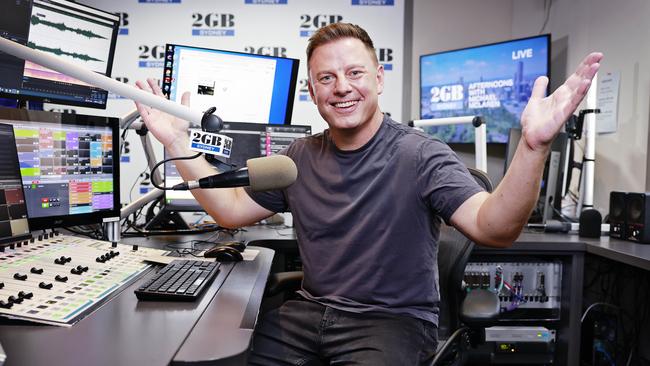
(150, 63)
(374, 2)
(123, 32)
(204, 147)
(266, 2)
(159, 1)
(213, 32)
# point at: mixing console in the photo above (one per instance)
(59, 279)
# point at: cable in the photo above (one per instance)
(547, 10)
(166, 160)
(584, 315)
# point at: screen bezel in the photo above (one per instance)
(546, 36)
(109, 69)
(48, 222)
(291, 95)
(13, 239)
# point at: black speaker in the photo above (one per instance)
(617, 214)
(590, 221)
(638, 217)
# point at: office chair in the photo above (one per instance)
(461, 312)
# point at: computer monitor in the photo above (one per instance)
(250, 140)
(554, 179)
(77, 33)
(493, 81)
(243, 87)
(69, 166)
(14, 226)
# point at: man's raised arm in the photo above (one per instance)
(497, 219)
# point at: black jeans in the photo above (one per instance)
(302, 333)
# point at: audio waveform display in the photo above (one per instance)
(59, 52)
(62, 27)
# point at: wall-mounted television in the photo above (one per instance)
(493, 80)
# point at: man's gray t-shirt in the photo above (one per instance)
(367, 220)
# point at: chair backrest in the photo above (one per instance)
(454, 250)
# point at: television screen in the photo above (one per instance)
(243, 87)
(77, 33)
(493, 81)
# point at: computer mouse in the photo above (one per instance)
(240, 246)
(224, 253)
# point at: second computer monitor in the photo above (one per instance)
(243, 87)
(554, 180)
(250, 140)
(69, 166)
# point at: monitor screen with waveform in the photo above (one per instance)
(74, 32)
(68, 164)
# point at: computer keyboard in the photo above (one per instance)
(180, 280)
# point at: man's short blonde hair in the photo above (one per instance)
(336, 31)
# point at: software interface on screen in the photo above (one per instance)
(493, 81)
(13, 211)
(250, 140)
(74, 32)
(243, 87)
(66, 170)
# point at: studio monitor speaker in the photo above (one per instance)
(617, 214)
(638, 217)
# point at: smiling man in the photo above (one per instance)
(367, 204)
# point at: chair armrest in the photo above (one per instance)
(283, 281)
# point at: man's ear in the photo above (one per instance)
(380, 79)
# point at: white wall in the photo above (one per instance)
(620, 30)
(440, 25)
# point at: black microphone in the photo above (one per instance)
(261, 174)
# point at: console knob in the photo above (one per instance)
(45, 286)
(61, 278)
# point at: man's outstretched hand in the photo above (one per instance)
(543, 117)
(169, 130)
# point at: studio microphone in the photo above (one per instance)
(261, 174)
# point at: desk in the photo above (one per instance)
(216, 329)
(571, 249)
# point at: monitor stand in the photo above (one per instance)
(551, 185)
(167, 220)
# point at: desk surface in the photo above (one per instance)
(622, 251)
(627, 252)
(125, 331)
